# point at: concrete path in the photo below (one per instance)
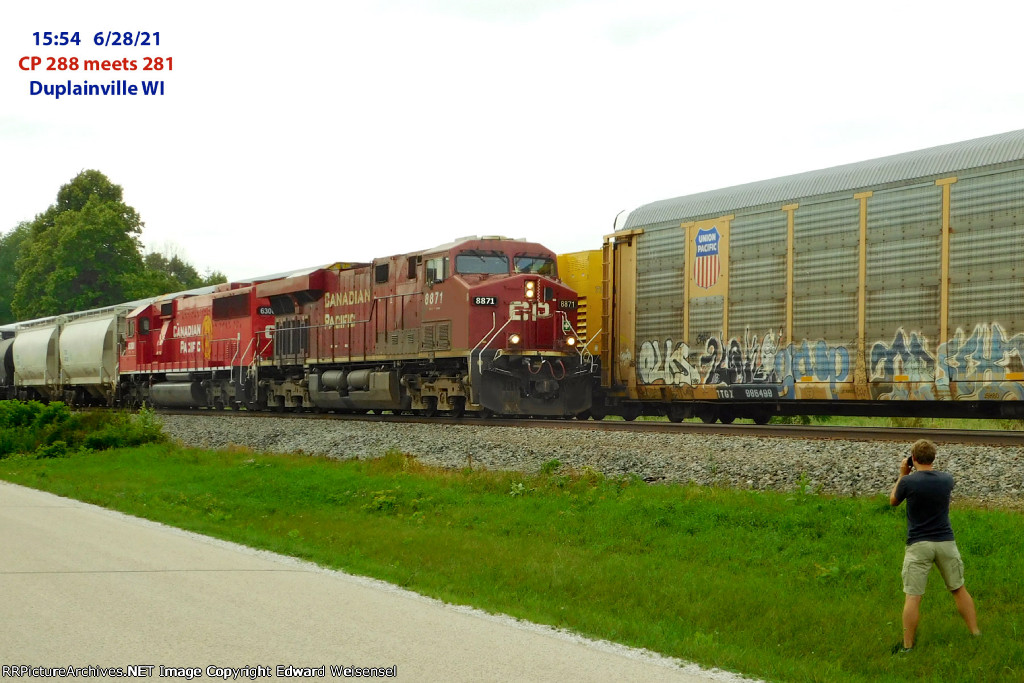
(86, 587)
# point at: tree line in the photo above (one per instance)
(84, 252)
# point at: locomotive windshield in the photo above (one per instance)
(538, 265)
(481, 263)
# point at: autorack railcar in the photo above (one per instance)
(885, 287)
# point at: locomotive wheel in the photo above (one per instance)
(458, 404)
(429, 407)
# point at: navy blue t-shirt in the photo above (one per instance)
(927, 493)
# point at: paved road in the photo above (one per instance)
(83, 586)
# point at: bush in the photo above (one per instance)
(52, 430)
(57, 449)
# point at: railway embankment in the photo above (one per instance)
(987, 475)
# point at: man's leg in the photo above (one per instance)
(965, 605)
(911, 614)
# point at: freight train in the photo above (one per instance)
(887, 287)
(480, 324)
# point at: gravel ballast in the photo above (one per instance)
(993, 476)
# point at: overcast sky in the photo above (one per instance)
(298, 133)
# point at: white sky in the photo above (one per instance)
(299, 133)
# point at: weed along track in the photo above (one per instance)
(833, 461)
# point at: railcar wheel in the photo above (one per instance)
(630, 412)
(761, 417)
(677, 413)
(727, 417)
(707, 415)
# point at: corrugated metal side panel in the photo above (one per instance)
(757, 273)
(904, 262)
(985, 251)
(660, 282)
(932, 162)
(826, 240)
(705, 323)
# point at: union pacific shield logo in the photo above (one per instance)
(706, 266)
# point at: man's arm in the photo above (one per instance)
(904, 471)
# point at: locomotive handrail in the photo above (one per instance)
(494, 323)
(480, 358)
(247, 347)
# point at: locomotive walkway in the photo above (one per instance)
(85, 587)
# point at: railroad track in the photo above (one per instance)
(773, 431)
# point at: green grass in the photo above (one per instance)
(787, 587)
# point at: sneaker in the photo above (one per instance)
(901, 649)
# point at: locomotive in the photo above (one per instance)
(482, 324)
(886, 287)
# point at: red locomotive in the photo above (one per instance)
(481, 324)
(190, 351)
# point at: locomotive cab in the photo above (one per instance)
(524, 357)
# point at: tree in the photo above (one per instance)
(10, 249)
(84, 252)
(89, 258)
(173, 274)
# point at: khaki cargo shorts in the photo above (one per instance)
(918, 561)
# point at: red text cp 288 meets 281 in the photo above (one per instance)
(56, 39)
(75, 64)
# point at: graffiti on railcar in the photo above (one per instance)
(988, 364)
(750, 362)
(814, 360)
(666, 363)
(906, 358)
(907, 363)
(756, 360)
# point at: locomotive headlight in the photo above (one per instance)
(571, 341)
(531, 289)
(514, 339)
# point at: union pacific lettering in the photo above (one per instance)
(353, 297)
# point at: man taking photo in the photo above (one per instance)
(929, 539)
